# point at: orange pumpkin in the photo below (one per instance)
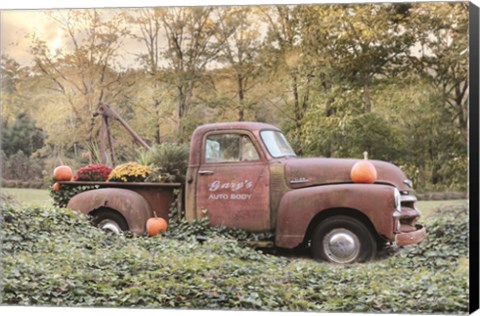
(156, 225)
(363, 171)
(63, 173)
(56, 187)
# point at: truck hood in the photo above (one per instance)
(306, 172)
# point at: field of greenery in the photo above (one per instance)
(54, 257)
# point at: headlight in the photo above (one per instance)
(408, 182)
(398, 200)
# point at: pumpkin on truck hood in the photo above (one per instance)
(306, 172)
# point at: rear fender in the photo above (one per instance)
(298, 208)
(133, 207)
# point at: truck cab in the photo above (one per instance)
(245, 175)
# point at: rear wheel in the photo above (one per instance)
(109, 221)
(343, 239)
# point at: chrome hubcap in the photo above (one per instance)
(110, 226)
(341, 245)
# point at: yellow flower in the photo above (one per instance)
(129, 172)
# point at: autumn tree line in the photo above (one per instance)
(390, 79)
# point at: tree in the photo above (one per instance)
(22, 135)
(288, 51)
(238, 30)
(20, 166)
(190, 47)
(442, 57)
(363, 43)
(82, 73)
(150, 34)
(11, 99)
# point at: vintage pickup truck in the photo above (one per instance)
(245, 175)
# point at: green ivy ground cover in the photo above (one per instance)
(53, 257)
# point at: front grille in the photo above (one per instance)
(408, 221)
(409, 214)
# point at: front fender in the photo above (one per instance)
(299, 207)
(133, 207)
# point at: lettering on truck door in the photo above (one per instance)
(233, 182)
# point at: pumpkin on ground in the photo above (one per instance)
(363, 171)
(155, 225)
(63, 173)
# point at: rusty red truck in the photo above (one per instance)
(245, 175)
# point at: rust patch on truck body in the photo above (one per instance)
(300, 207)
(307, 172)
(131, 205)
(231, 193)
(135, 201)
(412, 236)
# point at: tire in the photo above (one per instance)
(109, 221)
(343, 239)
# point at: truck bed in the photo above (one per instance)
(159, 196)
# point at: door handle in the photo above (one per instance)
(205, 172)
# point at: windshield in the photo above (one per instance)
(276, 144)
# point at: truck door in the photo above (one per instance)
(233, 182)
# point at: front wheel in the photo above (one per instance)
(109, 221)
(343, 239)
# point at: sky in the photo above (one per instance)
(19, 26)
(21, 19)
(19, 23)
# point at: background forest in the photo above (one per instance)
(390, 79)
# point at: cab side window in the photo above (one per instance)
(230, 148)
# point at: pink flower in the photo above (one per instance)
(93, 173)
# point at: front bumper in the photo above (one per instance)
(412, 237)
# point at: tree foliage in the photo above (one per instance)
(443, 59)
(21, 135)
(238, 31)
(190, 47)
(12, 97)
(82, 73)
(388, 78)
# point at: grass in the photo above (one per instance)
(429, 207)
(30, 197)
(54, 257)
